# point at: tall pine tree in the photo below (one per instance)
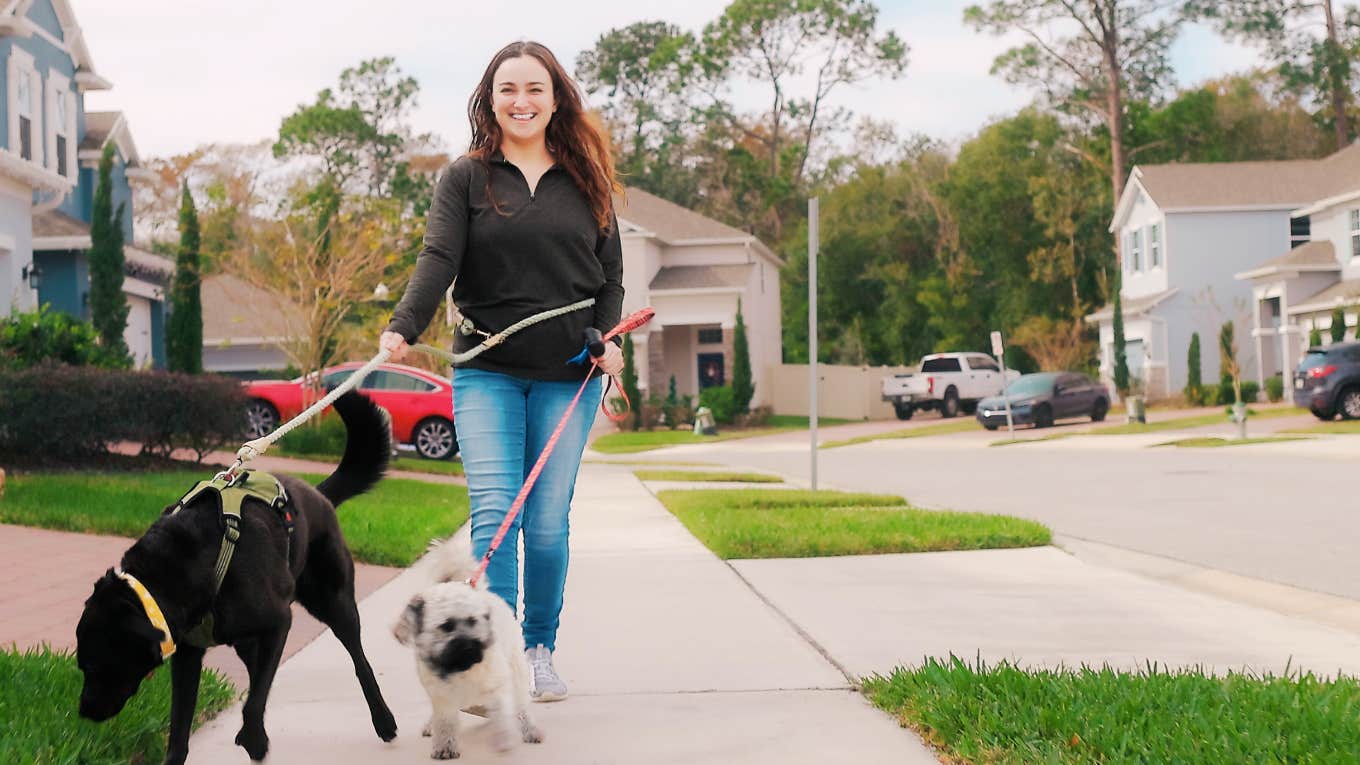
(629, 380)
(1194, 386)
(1338, 324)
(108, 305)
(184, 335)
(1121, 359)
(742, 386)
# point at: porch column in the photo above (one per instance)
(656, 363)
(1260, 347)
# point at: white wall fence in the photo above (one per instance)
(847, 392)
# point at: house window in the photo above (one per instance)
(25, 106)
(25, 116)
(1355, 234)
(1155, 245)
(710, 336)
(1136, 251)
(60, 127)
(1300, 230)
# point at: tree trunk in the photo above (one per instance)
(1114, 104)
(1335, 80)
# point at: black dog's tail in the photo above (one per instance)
(368, 447)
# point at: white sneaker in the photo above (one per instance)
(547, 686)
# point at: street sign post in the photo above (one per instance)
(999, 351)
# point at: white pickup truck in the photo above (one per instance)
(947, 381)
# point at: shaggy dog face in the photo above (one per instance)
(449, 626)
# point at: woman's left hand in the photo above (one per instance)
(612, 360)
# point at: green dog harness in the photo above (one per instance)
(230, 495)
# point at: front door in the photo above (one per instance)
(711, 370)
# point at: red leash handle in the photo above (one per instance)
(632, 322)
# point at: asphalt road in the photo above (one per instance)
(1283, 513)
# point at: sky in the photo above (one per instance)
(188, 72)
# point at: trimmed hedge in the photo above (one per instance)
(64, 412)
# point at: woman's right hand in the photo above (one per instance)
(395, 344)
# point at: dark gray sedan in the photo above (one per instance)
(1041, 398)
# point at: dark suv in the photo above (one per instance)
(1328, 381)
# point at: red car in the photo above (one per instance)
(421, 404)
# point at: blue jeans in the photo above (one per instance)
(503, 423)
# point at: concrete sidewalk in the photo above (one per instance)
(671, 658)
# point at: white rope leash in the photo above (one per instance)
(259, 446)
(253, 449)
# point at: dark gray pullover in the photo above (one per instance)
(540, 251)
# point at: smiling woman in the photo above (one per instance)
(523, 224)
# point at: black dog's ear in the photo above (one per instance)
(411, 622)
(140, 627)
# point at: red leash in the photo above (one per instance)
(632, 322)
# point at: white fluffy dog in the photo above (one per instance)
(469, 652)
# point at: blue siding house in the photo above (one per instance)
(49, 156)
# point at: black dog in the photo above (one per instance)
(117, 646)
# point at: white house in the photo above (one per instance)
(695, 271)
(1298, 289)
(49, 155)
(1186, 231)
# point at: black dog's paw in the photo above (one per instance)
(385, 725)
(256, 743)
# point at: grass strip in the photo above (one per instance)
(937, 429)
(794, 523)
(705, 476)
(1004, 715)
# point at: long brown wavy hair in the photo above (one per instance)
(575, 137)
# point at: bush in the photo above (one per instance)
(63, 412)
(31, 338)
(1275, 389)
(680, 411)
(721, 401)
(324, 436)
(1226, 397)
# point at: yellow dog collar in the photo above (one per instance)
(153, 611)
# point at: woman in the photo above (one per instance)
(524, 223)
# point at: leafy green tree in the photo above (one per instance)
(1086, 57)
(1316, 44)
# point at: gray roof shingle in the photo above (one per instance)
(1289, 183)
(701, 277)
(670, 221)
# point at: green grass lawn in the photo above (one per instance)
(652, 463)
(1215, 443)
(389, 526)
(436, 467)
(39, 691)
(962, 425)
(803, 421)
(1001, 715)
(705, 476)
(629, 442)
(1336, 427)
(791, 523)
